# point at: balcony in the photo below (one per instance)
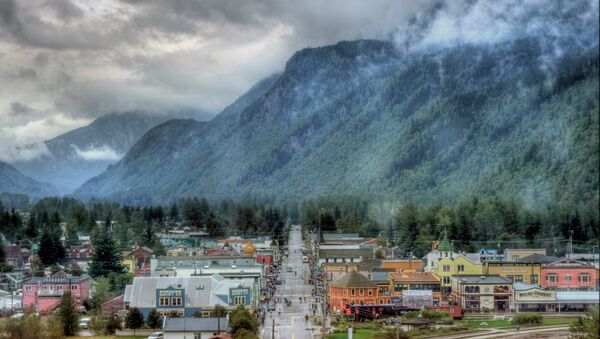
(50, 293)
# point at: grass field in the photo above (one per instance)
(359, 334)
(112, 337)
(506, 323)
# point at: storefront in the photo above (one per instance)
(535, 299)
(482, 293)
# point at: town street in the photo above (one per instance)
(291, 323)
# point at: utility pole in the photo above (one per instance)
(273, 330)
(571, 241)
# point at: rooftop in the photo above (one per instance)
(414, 277)
(539, 259)
(483, 279)
(195, 324)
(345, 253)
(352, 279)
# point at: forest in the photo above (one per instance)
(474, 223)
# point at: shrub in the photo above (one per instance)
(527, 319)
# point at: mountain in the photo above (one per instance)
(515, 118)
(13, 181)
(76, 156)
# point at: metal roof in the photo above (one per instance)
(199, 290)
(195, 324)
(483, 279)
(577, 296)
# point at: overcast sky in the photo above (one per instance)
(65, 62)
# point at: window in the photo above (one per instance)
(501, 289)
(361, 291)
(584, 278)
(515, 258)
(446, 268)
(568, 278)
(352, 292)
(164, 302)
(239, 300)
(205, 314)
(461, 268)
(197, 335)
(370, 292)
(446, 280)
(518, 278)
(533, 279)
(551, 278)
(27, 288)
(176, 301)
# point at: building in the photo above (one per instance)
(43, 293)
(516, 254)
(482, 293)
(14, 256)
(188, 295)
(415, 281)
(383, 286)
(350, 289)
(400, 265)
(264, 257)
(449, 264)
(138, 261)
(569, 274)
(113, 306)
(254, 272)
(344, 254)
(11, 281)
(531, 298)
(516, 271)
(194, 328)
(80, 255)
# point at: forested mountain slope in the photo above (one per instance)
(13, 181)
(78, 155)
(512, 118)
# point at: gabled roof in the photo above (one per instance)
(352, 279)
(566, 262)
(195, 324)
(445, 245)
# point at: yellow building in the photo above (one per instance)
(451, 264)
(525, 272)
(516, 254)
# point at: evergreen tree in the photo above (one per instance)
(408, 226)
(149, 237)
(31, 232)
(68, 315)
(106, 258)
(51, 250)
(134, 319)
(242, 323)
(153, 319)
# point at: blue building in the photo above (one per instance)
(188, 295)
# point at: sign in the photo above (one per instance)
(396, 300)
(535, 294)
(170, 298)
(240, 296)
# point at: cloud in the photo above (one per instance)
(97, 153)
(73, 60)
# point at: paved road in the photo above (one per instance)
(291, 324)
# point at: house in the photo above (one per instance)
(515, 254)
(44, 293)
(113, 306)
(80, 255)
(344, 254)
(349, 289)
(253, 271)
(14, 256)
(532, 298)
(568, 274)
(400, 265)
(194, 328)
(449, 264)
(401, 282)
(137, 261)
(383, 286)
(264, 256)
(11, 281)
(517, 271)
(477, 293)
(188, 295)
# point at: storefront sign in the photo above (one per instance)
(535, 295)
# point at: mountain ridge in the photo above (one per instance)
(13, 181)
(361, 117)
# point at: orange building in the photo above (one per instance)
(400, 265)
(350, 289)
(410, 281)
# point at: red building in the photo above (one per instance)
(44, 293)
(264, 257)
(138, 261)
(352, 288)
(566, 274)
(113, 306)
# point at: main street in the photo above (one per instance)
(290, 323)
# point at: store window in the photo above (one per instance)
(568, 278)
(551, 278)
(584, 278)
(533, 279)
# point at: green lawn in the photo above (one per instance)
(112, 337)
(359, 334)
(506, 323)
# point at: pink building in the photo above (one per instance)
(43, 293)
(567, 274)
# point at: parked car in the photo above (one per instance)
(84, 323)
(156, 335)
(17, 316)
(271, 307)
